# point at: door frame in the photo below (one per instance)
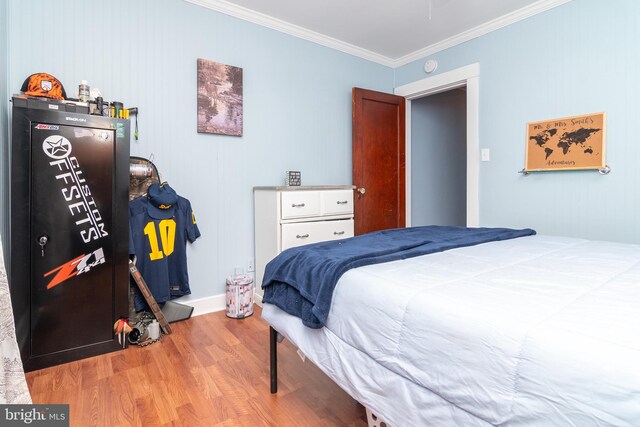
(468, 76)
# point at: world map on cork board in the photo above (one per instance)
(569, 143)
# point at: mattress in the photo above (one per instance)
(537, 330)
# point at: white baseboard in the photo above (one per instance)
(205, 305)
(211, 304)
(257, 298)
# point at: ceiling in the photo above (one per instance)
(387, 31)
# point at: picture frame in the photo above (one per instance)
(568, 143)
(220, 98)
(293, 178)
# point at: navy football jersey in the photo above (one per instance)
(160, 249)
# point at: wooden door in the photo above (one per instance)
(378, 160)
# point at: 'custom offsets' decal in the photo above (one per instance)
(76, 192)
(81, 205)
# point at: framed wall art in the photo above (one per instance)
(219, 98)
(293, 178)
(569, 143)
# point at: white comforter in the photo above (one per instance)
(532, 331)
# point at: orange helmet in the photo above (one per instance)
(45, 85)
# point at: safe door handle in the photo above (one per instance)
(42, 241)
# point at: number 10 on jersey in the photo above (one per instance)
(166, 229)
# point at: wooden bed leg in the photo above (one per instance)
(273, 349)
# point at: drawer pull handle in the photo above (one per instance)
(303, 236)
(344, 202)
(300, 205)
(338, 233)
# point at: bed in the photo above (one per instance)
(527, 331)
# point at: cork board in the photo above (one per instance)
(568, 143)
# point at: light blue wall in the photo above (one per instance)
(297, 103)
(581, 57)
(439, 159)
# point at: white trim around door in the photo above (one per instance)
(468, 76)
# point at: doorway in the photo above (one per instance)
(439, 159)
(465, 77)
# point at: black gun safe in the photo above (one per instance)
(67, 253)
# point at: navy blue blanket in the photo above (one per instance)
(301, 280)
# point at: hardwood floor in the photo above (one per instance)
(211, 371)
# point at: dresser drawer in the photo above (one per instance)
(336, 202)
(302, 233)
(300, 204)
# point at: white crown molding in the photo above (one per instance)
(243, 13)
(480, 30)
(249, 15)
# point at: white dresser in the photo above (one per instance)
(286, 217)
